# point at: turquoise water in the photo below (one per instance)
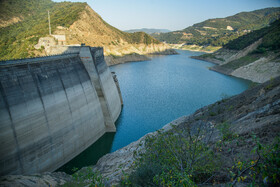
(155, 93)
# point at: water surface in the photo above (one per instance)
(157, 92)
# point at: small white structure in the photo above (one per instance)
(60, 38)
(229, 28)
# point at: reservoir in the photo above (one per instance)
(155, 93)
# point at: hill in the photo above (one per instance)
(148, 31)
(24, 23)
(219, 31)
(254, 56)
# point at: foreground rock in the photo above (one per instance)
(254, 111)
(42, 180)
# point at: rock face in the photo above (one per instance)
(113, 60)
(244, 52)
(259, 71)
(134, 57)
(42, 180)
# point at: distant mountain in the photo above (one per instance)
(148, 31)
(219, 31)
(24, 22)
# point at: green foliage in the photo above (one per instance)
(270, 35)
(169, 37)
(269, 166)
(140, 37)
(86, 177)
(263, 169)
(243, 61)
(218, 35)
(18, 40)
(22, 8)
(177, 158)
(227, 134)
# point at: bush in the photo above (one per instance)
(175, 158)
(86, 177)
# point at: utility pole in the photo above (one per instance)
(50, 32)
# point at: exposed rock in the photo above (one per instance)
(113, 60)
(42, 180)
(244, 52)
(165, 52)
(134, 57)
(13, 20)
(259, 71)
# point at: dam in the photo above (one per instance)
(53, 108)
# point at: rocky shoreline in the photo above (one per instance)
(135, 57)
(246, 63)
(214, 61)
(196, 48)
(259, 71)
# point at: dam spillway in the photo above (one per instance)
(53, 108)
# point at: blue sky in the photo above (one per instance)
(169, 14)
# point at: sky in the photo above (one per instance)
(169, 14)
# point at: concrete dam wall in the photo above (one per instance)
(53, 108)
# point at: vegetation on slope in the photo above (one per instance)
(24, 8)
(270, 35)
(18, 40)
(215, 32)
(270, 42)
(184, 160)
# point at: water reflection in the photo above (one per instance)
(91, 155)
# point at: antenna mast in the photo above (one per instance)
(50, 32)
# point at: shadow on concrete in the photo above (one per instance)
(91, 155)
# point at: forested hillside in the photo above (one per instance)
(18, 39)
(270, 41)
(219, 31)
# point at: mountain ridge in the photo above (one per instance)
(148, 30)
(217, 32)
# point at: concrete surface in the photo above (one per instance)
(53, 108)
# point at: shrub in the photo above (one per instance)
(175, 158)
